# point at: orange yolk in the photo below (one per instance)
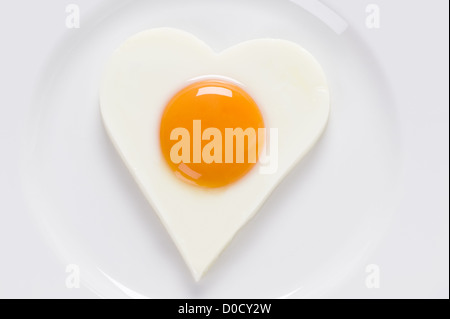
(210, 133)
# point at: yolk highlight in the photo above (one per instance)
(210, 133)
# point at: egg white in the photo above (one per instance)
(286, 82)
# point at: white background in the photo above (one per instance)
(412, 49)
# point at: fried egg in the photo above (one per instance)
(208, 136)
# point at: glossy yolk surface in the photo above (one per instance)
(195, 134)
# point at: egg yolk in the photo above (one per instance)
(211, 133)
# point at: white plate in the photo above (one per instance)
(316, 228)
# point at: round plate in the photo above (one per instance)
(318, 227)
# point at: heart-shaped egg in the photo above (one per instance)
(208, 136)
